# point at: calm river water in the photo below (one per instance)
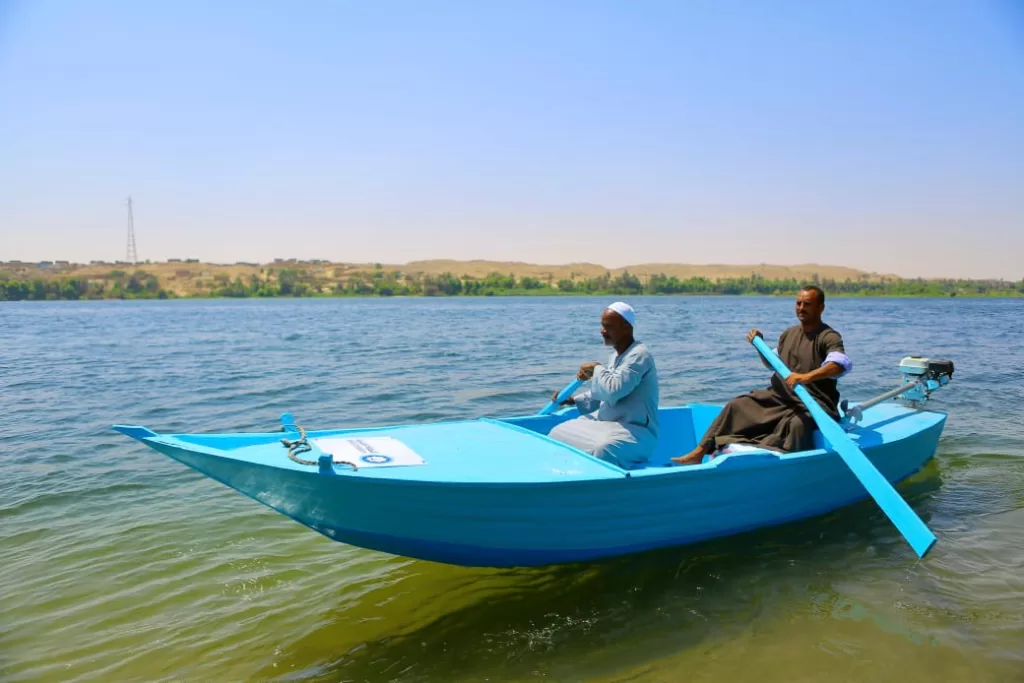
(122, 565)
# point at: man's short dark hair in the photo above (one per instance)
(816, 289)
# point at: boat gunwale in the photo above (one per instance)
(726, 463)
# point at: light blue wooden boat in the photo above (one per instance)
(498, 492)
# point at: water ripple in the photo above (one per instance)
(121, 564)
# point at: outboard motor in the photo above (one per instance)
(921, 376)
(926, 375)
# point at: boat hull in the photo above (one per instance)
(530, 523)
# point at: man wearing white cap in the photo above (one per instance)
(619, 413)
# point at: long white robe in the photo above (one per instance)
(618, 419)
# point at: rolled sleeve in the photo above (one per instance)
(841, 359)
(835, 352)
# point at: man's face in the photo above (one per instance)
(808, 307)
(613, 328)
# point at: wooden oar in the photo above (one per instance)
(899, 512)
(565, 393)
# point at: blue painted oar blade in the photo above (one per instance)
(899, 512)
(565, 393)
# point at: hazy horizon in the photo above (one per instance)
(878, 137)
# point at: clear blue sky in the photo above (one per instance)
(887, 136)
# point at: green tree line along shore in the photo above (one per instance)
(293, 282)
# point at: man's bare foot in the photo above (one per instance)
(692, 458)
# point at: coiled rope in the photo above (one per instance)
(302, 445)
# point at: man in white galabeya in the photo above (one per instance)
(619, 412)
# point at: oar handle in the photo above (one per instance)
(565, 393)
(780, 367)
(770, 356)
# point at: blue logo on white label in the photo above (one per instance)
(376, 459)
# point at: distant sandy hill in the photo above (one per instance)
(679, 270)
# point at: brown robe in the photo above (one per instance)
(775, 418)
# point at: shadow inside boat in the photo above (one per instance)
(584, 621)
(871, 435)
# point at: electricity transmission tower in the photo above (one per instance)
(133, 256)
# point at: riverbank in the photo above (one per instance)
(192, 279)
(295, 283)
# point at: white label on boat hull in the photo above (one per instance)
(374, 451)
